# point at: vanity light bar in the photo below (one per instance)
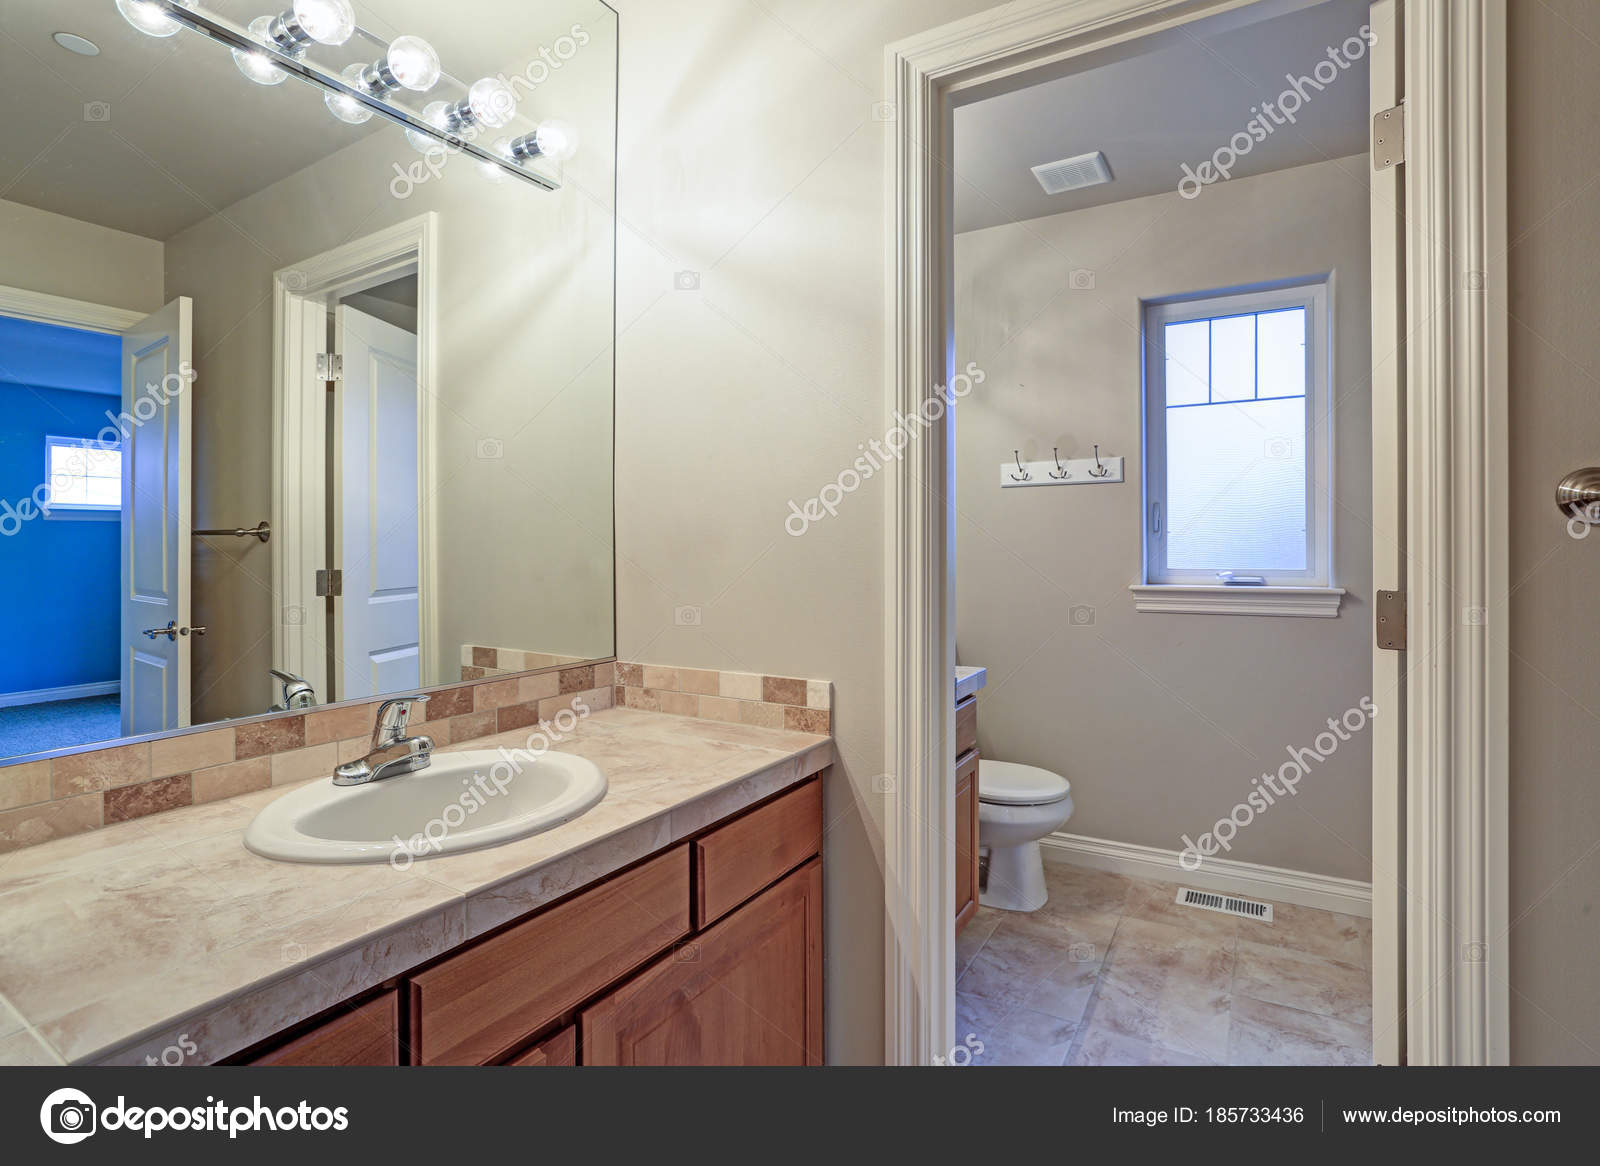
(234, 39)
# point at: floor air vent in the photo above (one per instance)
(1227, 904)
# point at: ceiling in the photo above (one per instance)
(154, 135)
(1154, 112)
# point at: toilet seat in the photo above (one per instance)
(1009, 783)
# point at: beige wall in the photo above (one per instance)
(526, 292)
(1555, 428)
(1160, 721)
(50, 253)
(750, 154)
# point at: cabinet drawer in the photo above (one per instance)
(557, 1052)
(475, 1007)
(735, 861)
(366, 1035)
(966, 726)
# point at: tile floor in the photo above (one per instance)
(1111, 971)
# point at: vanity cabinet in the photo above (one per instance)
(706, 953)
(746, 992)
(966, 818)
(478, 1006)
(366, 1034)
(558, 1052)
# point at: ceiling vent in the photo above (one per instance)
(1073, 173)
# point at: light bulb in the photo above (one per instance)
(328, 22)
(436, 114)
(557, 140)
(492, 102)
(344, 107)
(256, 65)
(412, 62)
(151, 19)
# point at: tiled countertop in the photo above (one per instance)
(969, 681)
(164, 937)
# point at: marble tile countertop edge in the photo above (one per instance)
(205, 949)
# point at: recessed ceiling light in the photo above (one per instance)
(77, 44)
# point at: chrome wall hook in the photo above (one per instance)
(1022, 474)
(1061, 473)
(1100, 470)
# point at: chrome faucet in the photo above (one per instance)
(297, 691)
(393, 753)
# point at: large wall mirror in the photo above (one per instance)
(306, 325)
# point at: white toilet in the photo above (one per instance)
(1017, 806)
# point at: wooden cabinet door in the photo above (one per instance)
(746, 992)
(555, 1052)
(368, 1034)
(966, 840)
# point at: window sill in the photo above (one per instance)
(1199, 599)
(59, 515)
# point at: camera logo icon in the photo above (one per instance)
(491, 449)
(686, 281)
(68, 1116)
(97, 111)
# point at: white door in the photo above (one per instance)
(156, 520)
(376, 508)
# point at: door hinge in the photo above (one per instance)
(1391, 620)
(330, 583)
(1388, 137)
(330, 367)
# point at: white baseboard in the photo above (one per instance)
(1273, 883)
(69, 692)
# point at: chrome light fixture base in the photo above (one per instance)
(295, 64)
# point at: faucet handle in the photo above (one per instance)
(393, 716)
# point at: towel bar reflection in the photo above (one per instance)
(261, 530)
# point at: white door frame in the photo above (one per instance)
(301, 295)
(22, 304)
(1456, 504)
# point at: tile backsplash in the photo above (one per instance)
(41, 800)
(747, 698)
(78, 792)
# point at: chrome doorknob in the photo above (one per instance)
(172, 631)
(1578, 494)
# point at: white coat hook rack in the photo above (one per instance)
(1053, 471)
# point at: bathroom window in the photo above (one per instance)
(1238, 440)
(84, 475)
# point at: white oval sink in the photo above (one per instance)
(463, 801)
